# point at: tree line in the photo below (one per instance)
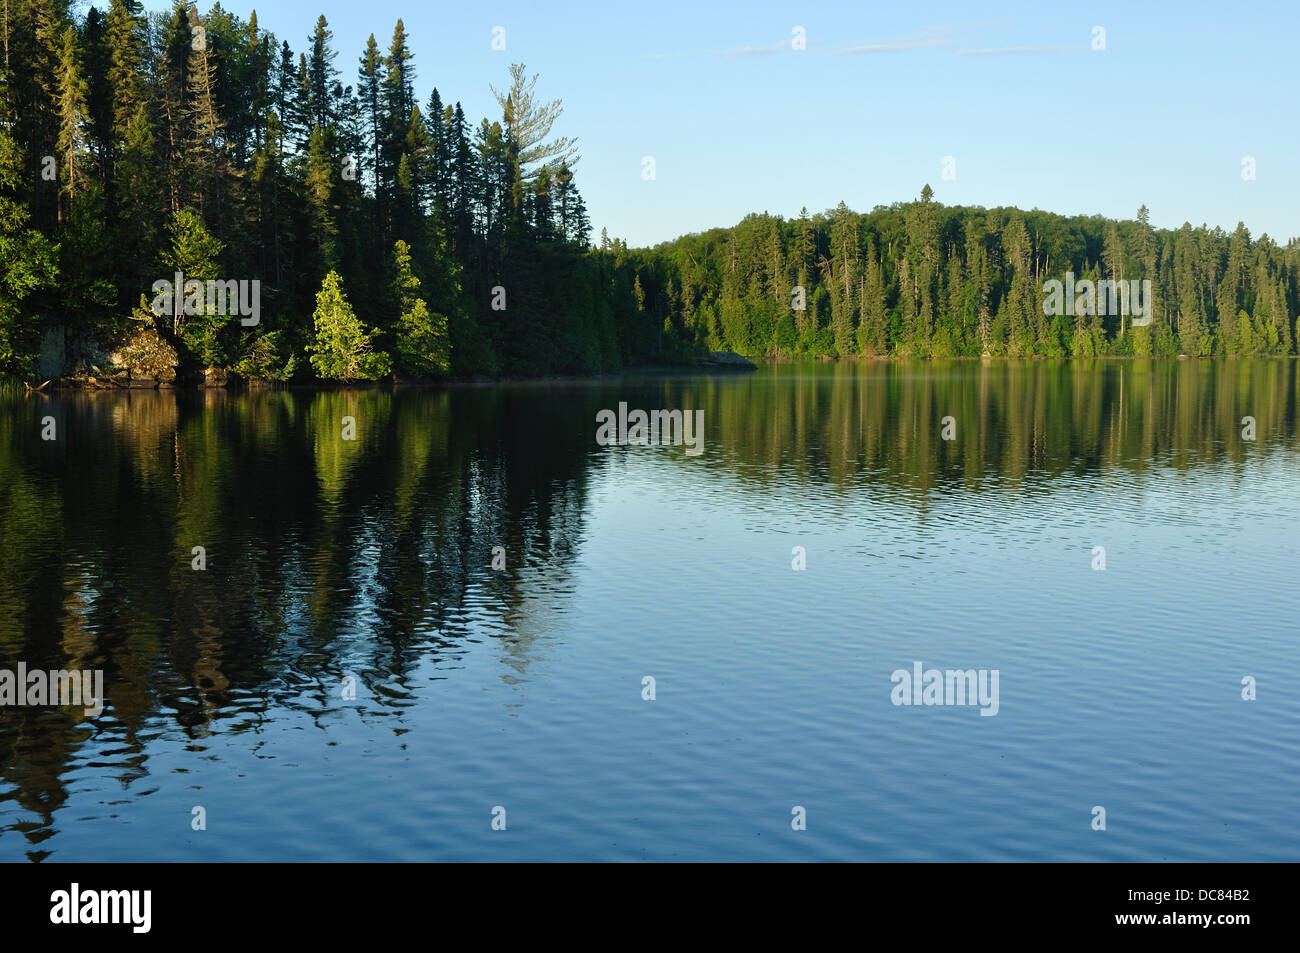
(923, 279)
(389, 235)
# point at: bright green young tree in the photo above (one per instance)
(423, 346)
(342, 349)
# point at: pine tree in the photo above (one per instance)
(1113, 257)
(284, 92)
(99, 100)
(322, 77)
(399, 101)
(439, 166)
(72, 119)
(255, 78)
(318, 183)
(126, 31)
(139, 204)
(465, 175)
(206, 146)
(370, 84)
(37, 43)
(271, 202)
(527, 124)
(172, 82)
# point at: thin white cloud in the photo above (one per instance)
(936, 37)
(776, 47)
(730, 54)
(928, 38)
(1015, 50)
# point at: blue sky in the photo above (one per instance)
(738, 121)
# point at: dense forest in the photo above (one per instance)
(927, 280)
(388, 235)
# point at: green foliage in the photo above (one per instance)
(922, 279)
(342, 349)
(195, 253)
(423, 347)
(241, 160)
(28, 261)
(194, 250)
(265, 359)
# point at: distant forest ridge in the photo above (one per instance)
(328, 222)
(923, 279)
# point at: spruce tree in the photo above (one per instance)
(342, 349)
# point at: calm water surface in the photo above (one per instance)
(522, 688)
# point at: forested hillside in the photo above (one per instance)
(929, 280)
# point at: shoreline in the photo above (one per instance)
(108, 385)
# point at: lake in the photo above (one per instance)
(496, 588)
